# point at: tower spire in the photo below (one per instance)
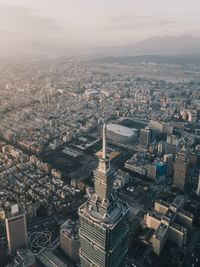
(104, 161)
(104, 142)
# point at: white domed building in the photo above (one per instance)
(121, 134)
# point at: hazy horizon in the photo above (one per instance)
(49, 26)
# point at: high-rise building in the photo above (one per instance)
(157, 171)
(168, 159)
(69, 240)
(104, 230)
(193, 158)
(198, 186)
(181, 170)
(2, 214)
(16, 229)
(171, 145)
(192, 116)
(161, 148)
(145, 137)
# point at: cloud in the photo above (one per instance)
(132, 22)
(24, 31)
(23, 20)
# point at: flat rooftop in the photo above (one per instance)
(170, 214)
(178, 201)
(161, 231)
(155, 214)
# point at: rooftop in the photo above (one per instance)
(70, 229)
(122, 130)
(161, 231)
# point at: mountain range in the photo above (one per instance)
(167, 45)
(183, 45)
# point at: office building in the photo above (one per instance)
(16, 229)
(157, 171)
(171, 145)
(192, 116)
(181, 170)
(161, 148)
(2, 214)
(193, 159)
(168, 159)
(198, 186)
(121, 179)
(161, 127)
(152, 171)
(170, 222)
(69, 240)
(145, 137)
(103, 227)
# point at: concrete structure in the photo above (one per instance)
(104, 230)
(170, 221)
(16, 229)
(69, 240)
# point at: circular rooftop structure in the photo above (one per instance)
(120, 134)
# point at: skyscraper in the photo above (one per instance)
(171, 145)
(181, 170)
(16, 230)
(168, 159)
(103, 231)
(198, 186)
(145, 137)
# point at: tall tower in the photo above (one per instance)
(103, 231)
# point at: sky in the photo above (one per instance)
(27, 26)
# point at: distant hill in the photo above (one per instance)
(168, 45)
(183, 45)
(154, 59)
